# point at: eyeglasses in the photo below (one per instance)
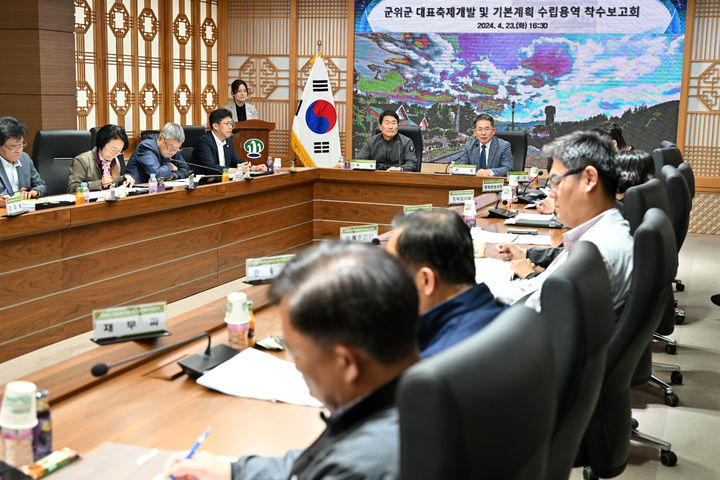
(554, 182)
(229, 123)
(169, 148)
(114, 150)
(483, 129)
(16, 148)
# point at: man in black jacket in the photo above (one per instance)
(350, 318)
(214, 149)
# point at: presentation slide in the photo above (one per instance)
(540, 66)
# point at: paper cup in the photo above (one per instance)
(236, 312)
(19, 407)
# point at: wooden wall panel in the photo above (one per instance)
(699, 135)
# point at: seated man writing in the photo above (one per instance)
(436, 247)
(391, 150)
(160, 155)
(17, 171)
(349, 317)
(583, 181)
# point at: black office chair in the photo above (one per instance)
(518, 145)
(186, 153)
(577, 306)
(53, 153)
(414, 134)
(192, 133)
(145, 134)
(680, 202)
(666, 156)
(484, 408)
(637, 201)
(605, 446)
(686, 171)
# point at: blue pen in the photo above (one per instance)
(195, 446)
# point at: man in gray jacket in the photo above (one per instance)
(17, 171)
(350, 318)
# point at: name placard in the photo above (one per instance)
(362, 164)
(492, 185)
(129, 321)
(414, 208)
(459, 169)
(14, 204)
(265, 268)
(360, 233)
(521, 176)
(458, 197)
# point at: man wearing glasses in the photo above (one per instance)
(491, 155)
(159, 155)
(214, 150)
(583, 181)
(17, 173)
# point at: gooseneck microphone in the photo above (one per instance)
(530, 181)
(101, 369)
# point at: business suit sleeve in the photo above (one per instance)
(365, 151)
(506, 161)
(465, 157)
(261, 468)
(183, 170)
(36, 182)
(147, 159)
(409, 159)
(203, 155)
(78, 174)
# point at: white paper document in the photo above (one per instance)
(254, 374)
(538, 217)
(480, 235)
(492, 270)
(533, 240)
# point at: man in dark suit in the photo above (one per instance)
(17, 171)
(213, 150)
(491, 155)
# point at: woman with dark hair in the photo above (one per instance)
(100, 167)
(240, 109)
(636, 167)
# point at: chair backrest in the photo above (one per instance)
(186, 153)
(577, 306)
(414, 134)
(686, 171)
(192, 133)
(518, 145)
(605, 446)
(53, 152)
(666, 156)
(667, 144)
(641, 198)
(484, 408)
(145, 134)
(679, 201)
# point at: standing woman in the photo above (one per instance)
(240, 109)
(100, 167)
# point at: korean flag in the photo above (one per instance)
(315, 137)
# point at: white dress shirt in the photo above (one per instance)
(11, 173)
(221, 150)
(610, 233)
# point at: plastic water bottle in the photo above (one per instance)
(270, 165)
(86, 191)
(42, 432)
(341, 163)
(152, 183)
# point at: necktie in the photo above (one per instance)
(483, 158)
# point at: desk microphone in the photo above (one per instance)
(194, 365)
(205, 167)
(530, 197)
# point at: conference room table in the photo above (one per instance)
(149, 403)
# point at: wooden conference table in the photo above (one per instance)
(57, 265)
(147, 403)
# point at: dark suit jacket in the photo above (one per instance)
(205, 153)
(28, 177)
(147, 159)
(500, 161)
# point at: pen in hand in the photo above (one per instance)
(195, 446)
